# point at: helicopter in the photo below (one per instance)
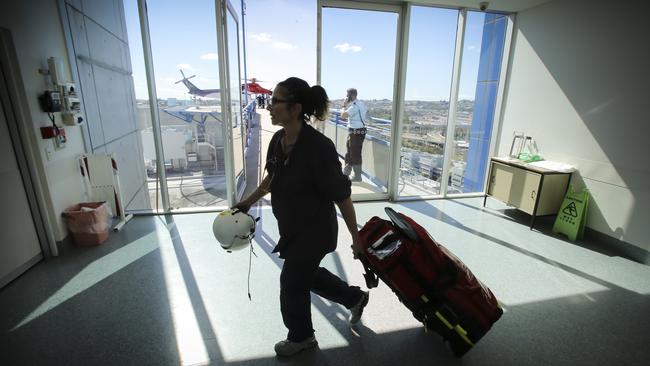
(251, 87)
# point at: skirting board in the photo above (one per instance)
(20, 270)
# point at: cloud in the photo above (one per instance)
(184, 67)
(265, 38)
(262, 37)
(346, 47)
(284, 45)
(210, 56)
(167, 80)
(472, 47)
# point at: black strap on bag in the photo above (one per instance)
(371, 278)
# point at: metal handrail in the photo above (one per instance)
(378, 129)
(374, 131)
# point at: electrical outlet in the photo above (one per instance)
(59, 141)
(49, 152)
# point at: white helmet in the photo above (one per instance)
(234, 229)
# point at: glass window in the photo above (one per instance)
(426, 103)
(358, 52)
(188, 90)
(235, 101)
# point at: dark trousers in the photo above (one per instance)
(354, 145)
(300, 276)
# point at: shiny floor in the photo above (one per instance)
(162, 292)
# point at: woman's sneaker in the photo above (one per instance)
(357, 310)
(288, 348)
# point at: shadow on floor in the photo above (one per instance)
(109, 305)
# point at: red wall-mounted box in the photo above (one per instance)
(51, 132)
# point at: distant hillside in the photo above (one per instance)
(418, 111)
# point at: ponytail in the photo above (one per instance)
(313, 100)
(320, 102)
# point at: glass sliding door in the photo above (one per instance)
(475, 109)
(358, 51)
(432, 38)
(194, 151)
(188, 89)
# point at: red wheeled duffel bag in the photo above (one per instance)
(434, 284)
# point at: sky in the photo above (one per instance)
(280, 36)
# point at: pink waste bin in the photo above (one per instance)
(88, 222)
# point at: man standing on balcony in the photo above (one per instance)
(355, 111)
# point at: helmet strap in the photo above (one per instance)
(250, 262)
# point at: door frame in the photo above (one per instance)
(224, 9)
(14, 104)
(221, 9)
(399, 76)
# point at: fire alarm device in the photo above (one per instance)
(51, 101)
(56, 133)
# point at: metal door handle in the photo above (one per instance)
(533, 194)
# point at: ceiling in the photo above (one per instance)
(510, 6)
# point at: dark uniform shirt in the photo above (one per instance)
(305, 184)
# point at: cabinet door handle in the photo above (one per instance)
(533, 194)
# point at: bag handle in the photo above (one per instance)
(402, 225)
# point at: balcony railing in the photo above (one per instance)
(418, 168)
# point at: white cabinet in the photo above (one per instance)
(533, 190)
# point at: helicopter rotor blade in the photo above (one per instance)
(184, 78)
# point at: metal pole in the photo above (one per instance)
(243, 37)
(319, 35)
(226, 90)
(401, 59)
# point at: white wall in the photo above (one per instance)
(101, 51)
(173, 141)
(109, 110)
(578, 83)
(37, 35)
